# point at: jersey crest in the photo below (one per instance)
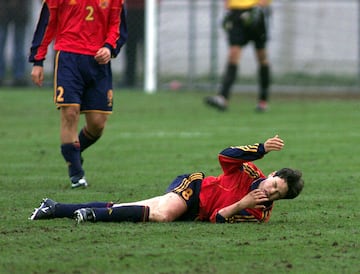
(104, 4)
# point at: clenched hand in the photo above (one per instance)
(103, 56)
(274, 143)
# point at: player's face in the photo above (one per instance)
(274, 187)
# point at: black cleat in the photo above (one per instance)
(46, 210)
(84, 215)
(217, 101)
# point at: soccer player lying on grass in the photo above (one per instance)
(241, 193)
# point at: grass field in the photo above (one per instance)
(149, 140)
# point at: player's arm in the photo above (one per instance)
(111, 49)
(235, 156)
(253, 199)
(123, 32)
(43, 35)
(117, 30)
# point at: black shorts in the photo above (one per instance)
(188, 186)
(243, 26)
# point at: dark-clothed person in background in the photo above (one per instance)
(14, 15)
(135, 41)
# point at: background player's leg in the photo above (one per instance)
(92, 131)
(95, 124)
(70, 146)
(264, 82)
(86, 139)
(264, 79)
(220, 101)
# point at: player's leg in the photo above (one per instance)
(221, 100)
(70, 146)
(264, 78)
(68, 98)
(92, 131)
(168, 208)
(165, 208)
(49, 209)
(97, 101)
(181, 202)
(230, 72)
(264, 74)
(237, 38)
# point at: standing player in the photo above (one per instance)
(87, 34)
(242, 193)
(245, 21)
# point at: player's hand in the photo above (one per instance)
(37, 75)
(103, 56)
(254, 199)
(274, 143)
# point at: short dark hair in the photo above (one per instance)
(294, 181)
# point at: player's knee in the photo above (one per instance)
(96, 126)
(69, 120)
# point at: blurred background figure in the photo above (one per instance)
(246, 21)
(135, 42)
(14, 15)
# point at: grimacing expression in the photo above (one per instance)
(274, 187)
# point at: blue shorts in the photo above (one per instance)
(80, 80)
(188, 186)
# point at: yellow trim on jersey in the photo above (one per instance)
(242, 4)
(196, 176)
(186, 181)
(184, 185)
(241, 218)
(251, 148)
(253, 173)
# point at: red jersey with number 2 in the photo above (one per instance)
(81, 26)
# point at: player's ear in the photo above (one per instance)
(272, 174)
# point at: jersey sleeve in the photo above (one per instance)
(44, 34)
(246, 215)
(118, 31)
(234, 157)
(123, 32)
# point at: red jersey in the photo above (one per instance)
(78, 26)
(239, 177)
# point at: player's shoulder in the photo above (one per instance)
(252, 170)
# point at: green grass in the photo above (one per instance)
(149, 140)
